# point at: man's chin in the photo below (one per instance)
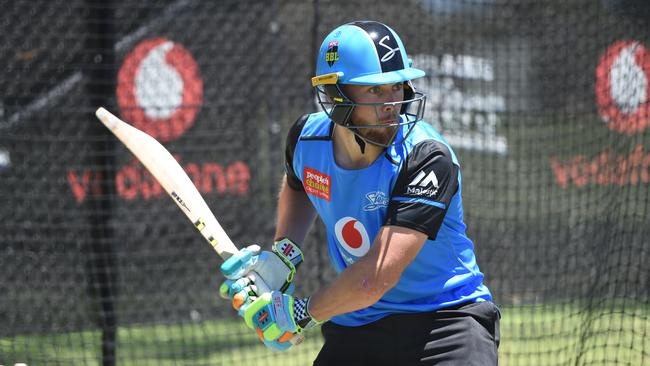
(381, 136)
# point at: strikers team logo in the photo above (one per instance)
(352, 236)
(332, 54)
(376, 200)
(622, 91)
(390, 49)
(159, 88)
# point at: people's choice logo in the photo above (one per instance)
(391, 51)
(352, 236)
(622, 91)
(159, 88)
(316, 183)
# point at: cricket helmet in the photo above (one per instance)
(366, 53)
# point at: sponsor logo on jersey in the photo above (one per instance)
(423, 185)
(352, 236)
(316, 183)
(377, 200)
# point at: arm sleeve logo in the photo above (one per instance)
(423, 185)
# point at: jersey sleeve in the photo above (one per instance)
(292, 140)
(424, 188)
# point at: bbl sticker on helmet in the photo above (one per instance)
(332, 54)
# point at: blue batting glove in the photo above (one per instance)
(277, 318)
(240, 292)
(276, 268)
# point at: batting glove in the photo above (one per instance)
(278, 317)
(276, 268)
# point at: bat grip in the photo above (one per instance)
(262, 287)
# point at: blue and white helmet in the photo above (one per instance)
(365, 53)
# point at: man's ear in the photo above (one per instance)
(409, 90)
(409, 93)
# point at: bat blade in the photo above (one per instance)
(171, 176)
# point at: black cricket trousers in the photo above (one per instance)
(463, 335)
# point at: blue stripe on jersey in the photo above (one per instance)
(420, 200)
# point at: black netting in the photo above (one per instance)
(545, 102)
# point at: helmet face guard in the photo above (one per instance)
(367, 53)
(339, 109)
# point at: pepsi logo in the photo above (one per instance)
(352, 236)
(622, 91)
(159, 88)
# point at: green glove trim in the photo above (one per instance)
(291, 255)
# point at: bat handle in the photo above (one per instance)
(262, 287)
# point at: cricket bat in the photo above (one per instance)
(171, 176)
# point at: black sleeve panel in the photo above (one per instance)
(425, 186)
(290, 148)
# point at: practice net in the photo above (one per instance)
(545, 102)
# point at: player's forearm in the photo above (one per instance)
(364, 283)
(295, 214)
(358, 287)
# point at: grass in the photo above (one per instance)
(557, 334)
(568, 334)
(222, 342)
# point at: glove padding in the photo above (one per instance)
(277, 318)
(276, 268)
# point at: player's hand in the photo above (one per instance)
(277, 318)
(276, 268)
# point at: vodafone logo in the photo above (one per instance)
(159, 88)
(622, 91)
(352, 236)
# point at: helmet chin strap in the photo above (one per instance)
(362, 144)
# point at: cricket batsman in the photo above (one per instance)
(388, 188)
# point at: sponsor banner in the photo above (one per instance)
(160, 89)
(606, 168)
(622, 91)
(134, 182)
(463, 101)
